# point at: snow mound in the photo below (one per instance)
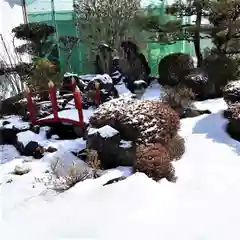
(105, 132)
(8, 153)
(15, 121)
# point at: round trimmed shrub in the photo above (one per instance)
(231, 92)
(178, 98)
(137, 120)
(154, 161)
(172, 66)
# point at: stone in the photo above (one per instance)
(33, 149)
(112, 151)
(106, 87)
(115, 180)
(22, 169)
(66, 86)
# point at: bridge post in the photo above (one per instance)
(53, 97)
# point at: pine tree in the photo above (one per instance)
(177, 30)
(225, 19)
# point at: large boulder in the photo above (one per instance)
(138, 120)
(112, 151)
(9, 137)
(106, 86)
(66, 86)
(172, 67)
(231, 92)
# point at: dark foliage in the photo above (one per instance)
(33, 31)
(176, 147)
(221, 70)
(172, 67)
(154, 161)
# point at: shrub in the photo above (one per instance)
(178, 97)
(172, 66)
(137, 120)
(176, 147)
(231, 92)
(221, 70)
(66, 176)
(42, 72)
(233, 111)
(154, 161)
(33, 31)
(92, 159)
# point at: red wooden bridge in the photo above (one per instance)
(56, 116)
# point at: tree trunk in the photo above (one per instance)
(197, 44)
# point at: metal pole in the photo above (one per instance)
(54, 17)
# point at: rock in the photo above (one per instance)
(10, 180)
(35, 129)
(66, 86)
(33, 149)
(22, 169)
(172, 67)
(5, 123)
(64, 131)
(117, 77)
(51, 149)
(193, 112)
(8, 136)
(107, 89)
(112, 151)
(115, 180)
(231, 92)
(137, 87)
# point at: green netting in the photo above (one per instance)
(59, 13)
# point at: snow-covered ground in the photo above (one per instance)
(202, 205)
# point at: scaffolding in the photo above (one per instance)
(59, 13)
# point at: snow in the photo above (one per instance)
(72, 114)
(105, 132)
(14, 121)
(234, 85)
(105, 78)
(125, 144)
(68, 74)
(202, 204)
